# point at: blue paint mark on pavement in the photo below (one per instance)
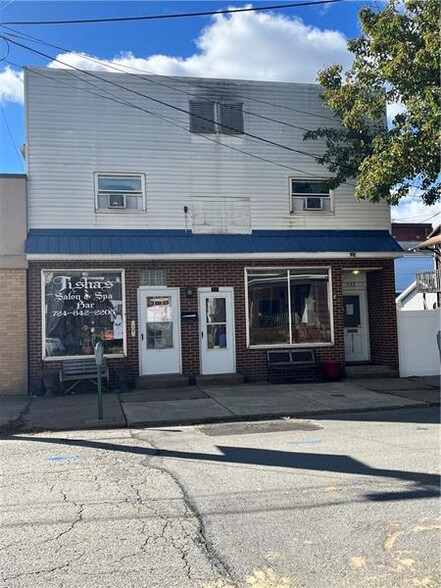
(60, 458)
(309, 442)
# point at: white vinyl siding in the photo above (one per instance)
(83, 133)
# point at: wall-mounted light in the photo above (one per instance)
(355, 272)
(189, 290)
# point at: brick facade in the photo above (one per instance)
(382, 316)
(13, 332)
(250, 362)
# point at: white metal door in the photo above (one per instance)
(356, 327)
(160, 346)
(216, 312)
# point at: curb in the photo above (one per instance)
(18, 426)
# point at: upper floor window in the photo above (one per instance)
(120, 192)
(216, 117)
(310, 196)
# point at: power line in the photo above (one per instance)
(250, 135)
(152, 81)
(170, 16)
(176, 108)
(6, 5)
(124, 69)
(163, 103)
(412, 219)
(117, 100)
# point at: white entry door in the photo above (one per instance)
(216, 312)
(160, 346)
(356, 327)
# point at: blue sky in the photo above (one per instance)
(287, 45)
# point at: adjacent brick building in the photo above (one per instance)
(13, 310)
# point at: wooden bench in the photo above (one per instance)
(76, 370)
(292, 366)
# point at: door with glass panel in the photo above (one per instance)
(216, 315)
(160, 347)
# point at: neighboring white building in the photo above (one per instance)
(419, 317)
(411, 299)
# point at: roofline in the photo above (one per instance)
(13, 176)
(193, 79)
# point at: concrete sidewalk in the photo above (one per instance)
(189, 405)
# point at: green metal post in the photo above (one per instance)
(99, 355)
(100, 395)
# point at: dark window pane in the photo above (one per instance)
(231, 118)
(216, 336)
(202, 118)
(310, 307)
(268, 307)
(119, 184)
(309, 187)
(269, 313)
(351, 306)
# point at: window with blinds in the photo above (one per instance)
(216, 117)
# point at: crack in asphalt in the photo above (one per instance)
(181, 530)
(201, 539)
(44, 571)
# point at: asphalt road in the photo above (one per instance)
(347, 502)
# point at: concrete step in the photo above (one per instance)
(354, 372)
(220, 380)
(161, 381)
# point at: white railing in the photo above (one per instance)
(428, 281)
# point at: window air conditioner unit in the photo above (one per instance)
(313, 203)
(117, 200)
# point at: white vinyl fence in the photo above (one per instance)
(417, 342)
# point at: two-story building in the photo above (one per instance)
(186, 223)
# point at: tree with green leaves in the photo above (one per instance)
(396, 60)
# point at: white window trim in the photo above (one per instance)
(121, 210)
(43, 313)
(318, 211)
(290, 345)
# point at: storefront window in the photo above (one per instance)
(288, 307)
(81, 307)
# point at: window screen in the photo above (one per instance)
(231, 118)
(202, 118)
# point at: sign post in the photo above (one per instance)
(99, 356)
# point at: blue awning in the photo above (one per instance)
(179, 242)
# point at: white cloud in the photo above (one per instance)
(411, 209)
(260, 46)
(11, 86)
